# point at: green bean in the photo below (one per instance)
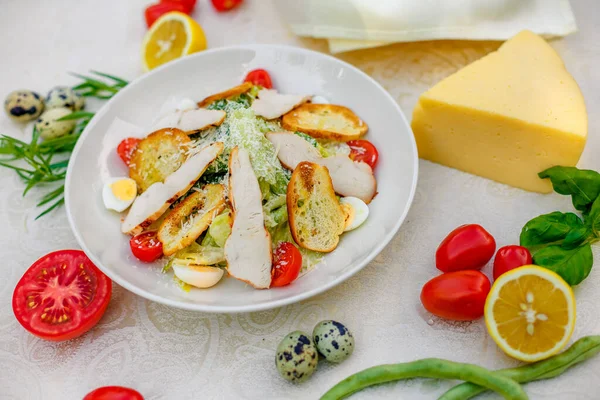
(427, 368)
(581, 350)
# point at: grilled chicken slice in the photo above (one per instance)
(271, 105)
(151, 204)
(191, 121)
(350, 178)
(248, 248)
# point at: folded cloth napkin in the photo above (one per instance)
(354, 24)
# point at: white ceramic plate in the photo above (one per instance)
(294, 70)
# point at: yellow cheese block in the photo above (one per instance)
(506, 117)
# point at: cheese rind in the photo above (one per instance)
(506, 117)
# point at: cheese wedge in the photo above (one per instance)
(506, 117)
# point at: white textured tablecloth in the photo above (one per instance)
(166, 353)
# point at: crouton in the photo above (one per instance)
(315, 215)
(190, 218)
(157, 156)
(234, 91)
(325, 121)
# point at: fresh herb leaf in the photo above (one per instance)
(94, 87)
(593, 218)
(573, 265)
(576, 237)
(550, 229)
(582, 185)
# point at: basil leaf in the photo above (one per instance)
(572, 265)
(575, 237)
(593, 218)
(548, 229)
(582, 185)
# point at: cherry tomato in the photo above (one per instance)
(459, 295)
(188, 4)
(126, 148)
(113, 393)
(155, 11)
(510, 257)
(61, 296)
(466, 247)
(287, 262)
(365, 151)
(259, 77)
(225, 5)
(146, 246)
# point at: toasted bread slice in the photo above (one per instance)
(325, 121)
(234, 91)
(151, 205)
(315, 215)
(350, 178)
(186, 222)
(157, 156)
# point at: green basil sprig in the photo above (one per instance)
(561, 241)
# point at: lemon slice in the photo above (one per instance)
(530, 313)
(173, 35)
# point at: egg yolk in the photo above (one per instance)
(125, 189)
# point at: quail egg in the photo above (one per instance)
(333, 340)
(64, 96)
(119, 193)
(296, 358)
(49, 126)
(23, 105)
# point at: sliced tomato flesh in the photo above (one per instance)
(61, 296)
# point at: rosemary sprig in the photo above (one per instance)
(93, 87)
(33, 161)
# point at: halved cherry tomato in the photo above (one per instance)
(113, 393)
(61, 296)
(259, 77)
(365, 151)
(458, 296)
(146, 246)
(510, 257)
(188, 4)
(225, 5)
(466, 247)
(126, 148)
(287, 262)
(155, 11)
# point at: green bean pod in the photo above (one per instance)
(581, 350)
(427, 368)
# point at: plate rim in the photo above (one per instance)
(253, 307)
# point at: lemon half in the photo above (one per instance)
(173, 35)
(530, 313)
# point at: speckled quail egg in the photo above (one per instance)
(23, 105)
(333, 340)
(49, 126)
(64, 96)
(296, 358)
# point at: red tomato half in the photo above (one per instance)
(456, 295)
(225, 5)
(61, 296)
(146, 246)
(113, 393)
(466, 247)
(126, 148)
(155, 11)
(287, 262)
(510, 257)
(259, 77)
(188, 4)
(365, 151)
